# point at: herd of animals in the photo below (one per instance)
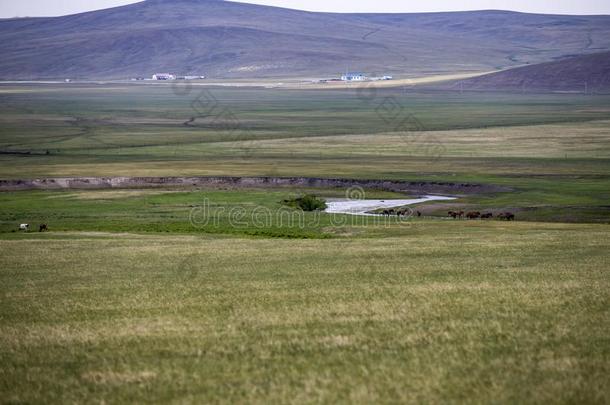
(504, 216)
(400, 213)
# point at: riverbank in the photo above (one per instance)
(412, 187)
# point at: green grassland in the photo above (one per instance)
(435, 312)
(554, 150)
(249, 212)
(107, 124)
(224, 295)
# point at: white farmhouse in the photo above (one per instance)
(163, 76)
(353, 77)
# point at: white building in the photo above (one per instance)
(163, 76)
(353, 77)
(378, 78)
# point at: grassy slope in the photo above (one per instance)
(228, 39)
(567, 74)
(438, 312)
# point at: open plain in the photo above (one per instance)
(222, 294)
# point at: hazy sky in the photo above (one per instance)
(12, 8)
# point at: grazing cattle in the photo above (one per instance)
(488, 215)
(418, 214)
(24, 227)
(506, 216)
(473, 215)
(456, 214)
(43, 228)
(402, 213)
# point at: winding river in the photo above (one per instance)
(363, 207)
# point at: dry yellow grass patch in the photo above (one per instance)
(491, 311)
(555, 140)
(118, 378)
(387, 83)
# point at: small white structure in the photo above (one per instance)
(164, 76)
(353, 77)
(381, 78)
(24, 227)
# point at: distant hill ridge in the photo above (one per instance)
(579, 74)
(233, 40)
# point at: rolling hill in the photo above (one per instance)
(227, 39)
(584, 73)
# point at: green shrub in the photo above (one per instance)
(308, 202)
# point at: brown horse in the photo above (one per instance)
(43, 228)
(473, 215)
(506, 216)
(404, 213)
(487, 215)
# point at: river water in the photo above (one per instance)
(362, 207)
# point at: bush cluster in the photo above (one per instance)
(308, 202)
